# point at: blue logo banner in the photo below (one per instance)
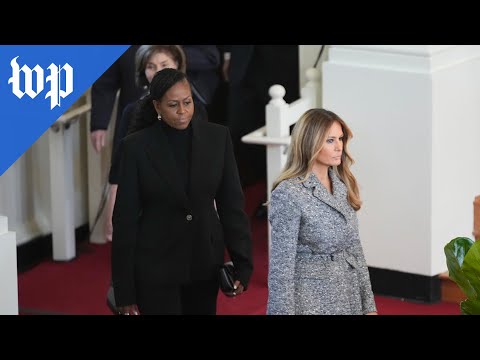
(38, 83)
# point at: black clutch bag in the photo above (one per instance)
(227, 277)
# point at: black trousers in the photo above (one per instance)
(195, 298)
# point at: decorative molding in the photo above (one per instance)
(411, 58)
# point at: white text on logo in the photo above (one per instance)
(37, 74)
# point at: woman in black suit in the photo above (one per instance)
(179, 204)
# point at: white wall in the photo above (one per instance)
(414, 113)
(456, 150)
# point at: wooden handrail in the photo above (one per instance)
(260, 137)
(69, 115)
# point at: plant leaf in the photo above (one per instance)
(470, 307)
(455, 252)
(471, 268)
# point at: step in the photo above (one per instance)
(450, 290)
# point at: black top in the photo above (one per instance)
(180, 142)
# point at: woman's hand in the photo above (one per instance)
(238, 289)
(128, 310)
(97, 138)
(372, 313)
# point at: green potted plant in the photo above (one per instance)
(463, 262)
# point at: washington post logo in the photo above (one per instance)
(34, 81)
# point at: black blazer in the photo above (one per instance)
(119, 76)
(163, 236)
(240, 60)
(262, 66)
(203, 70)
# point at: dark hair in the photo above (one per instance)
(145, 114)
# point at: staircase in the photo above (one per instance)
(450, 290)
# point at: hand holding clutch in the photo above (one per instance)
(228, 284)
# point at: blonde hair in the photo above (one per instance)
(308, 137)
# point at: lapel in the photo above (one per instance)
(337, 200)
(160, 155)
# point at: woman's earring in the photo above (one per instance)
(159, 117)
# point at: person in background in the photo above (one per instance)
(203, 64)
(250, 71)
(120, 76)
(169, 238)
(119, 79)
(217, 109)
(149, 59)
(316, 263)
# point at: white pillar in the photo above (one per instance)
(415, 115)
(62, 193)
(8, 270)
(277, 126)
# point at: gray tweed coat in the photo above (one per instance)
(316, 263)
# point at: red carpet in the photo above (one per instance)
(79, 286)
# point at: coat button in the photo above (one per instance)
(189, 217)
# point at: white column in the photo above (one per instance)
(414, 111)
(8, 270)
(62, 193)
(277, 126)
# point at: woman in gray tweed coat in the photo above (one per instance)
(317, 265)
